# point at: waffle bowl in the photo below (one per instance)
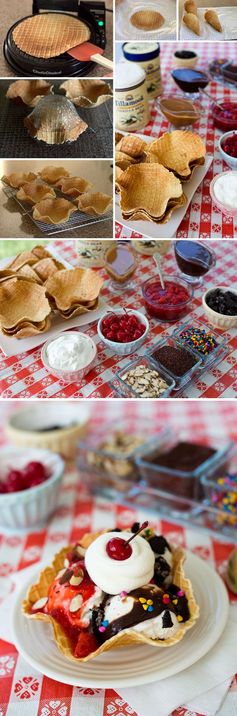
(124, 638)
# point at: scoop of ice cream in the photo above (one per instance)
(115, 575)
(147, 609)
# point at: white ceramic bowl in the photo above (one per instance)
(68, 376)
(50, 425)
(124, 349)
(219, 319)
(227, 210)
(231, 161)
(32, 507)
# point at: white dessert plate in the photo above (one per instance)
(132, 666)
(228, 20)
(14, 346)
(168, 230)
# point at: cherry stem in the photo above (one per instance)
(143, 527)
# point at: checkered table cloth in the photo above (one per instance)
(202, 218)
(23, 376)
(23, 689)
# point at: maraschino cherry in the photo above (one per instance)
(120, 549)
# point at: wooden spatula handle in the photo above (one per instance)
(103, 61)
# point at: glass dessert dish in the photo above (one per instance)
(107, 455)
(227, 146)
(120, 264)
(173, 472)
(225, 115)
(220, 491)
(194, 259)
(205, 343)
(190, 81)
(167, 304)
(142, 378)
(179, 111)
(181, 363)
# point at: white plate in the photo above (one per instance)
(126, 31)
(168, 230)
(134, 665)
(228, 20)
(14, 346)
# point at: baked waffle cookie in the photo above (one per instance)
(33, 191)
(94, 204)
(147, 20)
(29, 91)
(49, 34)
(38, 595)
(55, 121)
(179, 151)
(53, 211)
(87, 93)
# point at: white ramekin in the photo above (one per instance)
(231, 161)
(68, 376)
(32, 507)
(124, 349)
(24, 426)
(219, 319)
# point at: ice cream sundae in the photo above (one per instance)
(114, 588)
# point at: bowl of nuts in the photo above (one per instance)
(142, 379)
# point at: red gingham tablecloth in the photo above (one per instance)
(23, 689)
(23, 376)
(202, 218)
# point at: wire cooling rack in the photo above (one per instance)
(77, 220)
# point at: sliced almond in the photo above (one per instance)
(60, 573)
(76, 603)
(40, 604)
(66, 563)
(76, 580)
(80, 550)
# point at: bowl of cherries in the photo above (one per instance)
(30, 480)
(123, 330)
(228, 148)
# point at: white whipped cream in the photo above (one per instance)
(225, 189)
(71, 351)
(115, 576)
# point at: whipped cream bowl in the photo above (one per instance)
(69, 356)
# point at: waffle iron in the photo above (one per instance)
(92, 13)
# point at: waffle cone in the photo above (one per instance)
(191, 21)
(178, 151)
(212, 19)
(94, 204)
(124, 638)
(87, 93)
(29, 91)
(133, 146)
(49, 34)
(73, 287)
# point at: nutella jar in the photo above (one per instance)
(131, 103)
(147, 56)
(92, 253)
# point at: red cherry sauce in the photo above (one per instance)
(167, 304)
(118, 549)
(225, 117)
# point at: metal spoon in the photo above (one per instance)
(156, 258)
(202, 91)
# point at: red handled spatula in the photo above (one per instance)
(87, 52)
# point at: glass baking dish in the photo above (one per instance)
(212, 357)
(180, 381)
(220, 492)
(109, 468)
(124, 390)
(184, 484)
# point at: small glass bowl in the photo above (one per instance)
(123, 389)
(208, 359)
(224, 123)
(175, 115)
(180, 380)
(165, 311)
(224, 208)
(69, 376)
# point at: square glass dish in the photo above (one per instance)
(215, 353)
(177, 465)
(107, 455)
(180, 380)
(220, 493)
(123, 389)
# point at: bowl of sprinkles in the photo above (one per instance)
(222, 497)
(204, 343)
